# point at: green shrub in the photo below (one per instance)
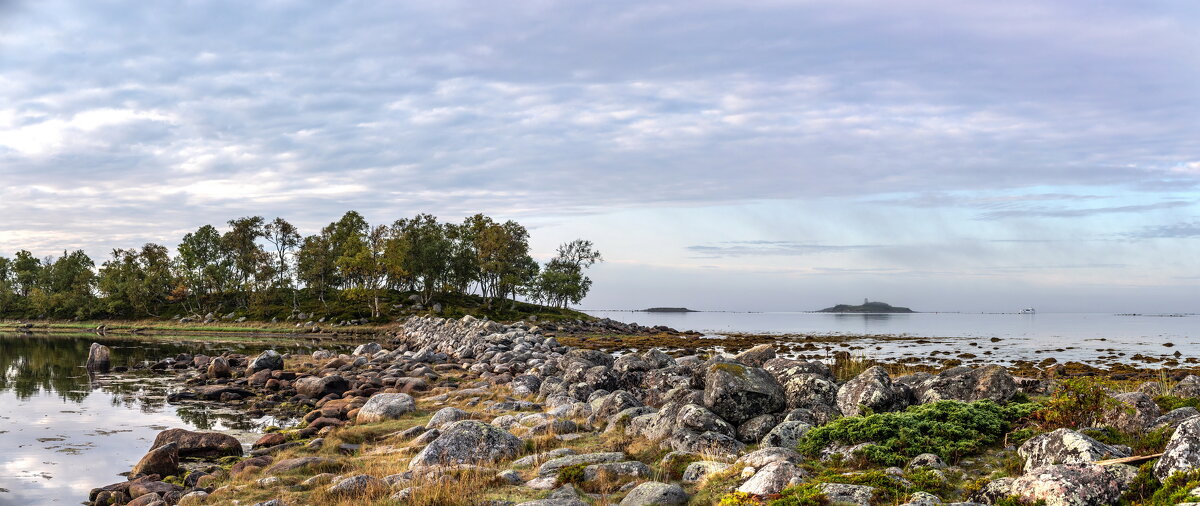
(1174, 489)
(571, 474)
(949, 429)
(807, 494)
(1170, 402)
(1143, 486)
(1076, 402)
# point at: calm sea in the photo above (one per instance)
(1088, 337)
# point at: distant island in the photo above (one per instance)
(668, 310)
(867, 307)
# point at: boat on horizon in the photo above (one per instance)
(1029, 310)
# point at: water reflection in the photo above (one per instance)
(63, 431)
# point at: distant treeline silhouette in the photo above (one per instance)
(268, 269)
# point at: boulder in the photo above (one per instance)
(99, 358)
(287, 465)
(446, 416)
(785, 435)
(267, 360)
(773, 478)
(368, 349)
(810, 391)
(654, 492)
(619, 472)
(1183, 450)
(701, 419)
(697, 471)
(756, 356)
(1135, 414)
(199, 444)
(562, 496)
(468, 442)
(846, 494)
(384, 406)
(1175, 417)
(965, 384)
(162, 460)
(1073, 485)
(763, 456)
(993, 491)
(754, 429)
(316, 388)
(1187, 387)
(218, 367)
(356, 485)
(871, 389)
(738, 393)
(1065, 446)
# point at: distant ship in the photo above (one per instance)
(1028, 310)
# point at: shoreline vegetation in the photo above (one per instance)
(471, 411)
(350, 272)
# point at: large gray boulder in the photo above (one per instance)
(654, 492)
(1187, 387)
(1182, 452)
(1175, 417)
(99, 358)
(385, 406)
(785, 435)
(162, 460)
(845, 494)
(756, 356)
(552, 466)
(701, 419)
(965, 384)
(1065, 446)
(468, 442)
(871, 389)
(810, 391)
(1136, 412)
(773, 478)
(199, 444)
(1073, 485)
(446, 416)
(267, 360)
(738, 393)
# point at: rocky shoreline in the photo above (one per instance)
(469, 411)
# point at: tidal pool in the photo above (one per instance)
(64, 432)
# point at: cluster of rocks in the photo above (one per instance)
(704, 411)
(605, 326)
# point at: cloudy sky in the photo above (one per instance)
(773, 155)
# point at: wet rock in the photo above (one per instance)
(871, 389)
(268, 360)
(317, 387)
(162, 460)
(200, 444)
(218, 367)
(1065, 446)
(1182, 453)
(1073, 485)
(653, 492)
(1136, 413)
(738, 393)
(773, 478)
(219, 392)
(468, 442)
(99, 358)
(269, 440)
(384, 406)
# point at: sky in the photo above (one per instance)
(773, 155)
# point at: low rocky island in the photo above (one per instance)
(471, 411)
(867, 307)
(668, 310)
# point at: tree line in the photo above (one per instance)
(265, 267)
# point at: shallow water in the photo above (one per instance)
(64, 432)
(1086, 337)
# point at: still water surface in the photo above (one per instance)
(1089, 337)
(63, 432)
